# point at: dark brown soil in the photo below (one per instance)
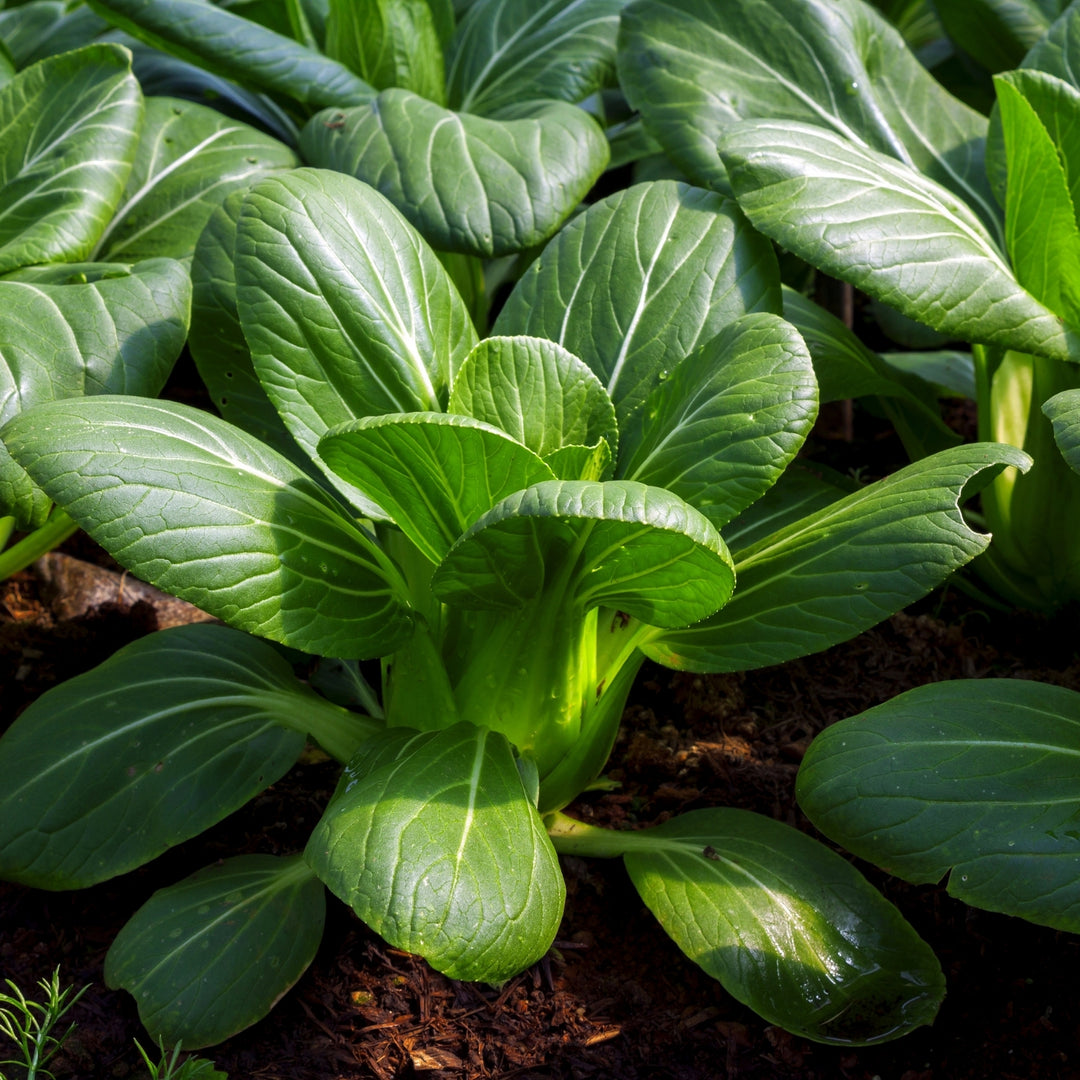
(614, 998)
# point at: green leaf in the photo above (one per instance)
(694, 67)
(118, 334)
(866, 218)
(389, 43)
(230, 45)
(581, 462)
(434, 843)
(348, 313)
(1040, 220)
(208, 513)
(788, 927)
(167, 737)
(70, 125)
(537, 392)
(641, 279)
(433, 474)
(1064, 412)
(720, 431)
(193, 160)
(217, 342)
(510, 51)
(842, 569)
(42, 28)
(997, 33)
(211, 955)
(618, 544)
(468, 183)
(976, 779)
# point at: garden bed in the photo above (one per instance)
(614, 997)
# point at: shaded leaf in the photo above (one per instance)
(212, 954)
(209, 36)
(1064, 412)
(167, 737)
(976, 779)
(509, 51)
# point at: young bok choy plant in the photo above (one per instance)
(846, 152)
(512, 524)
(102, 193)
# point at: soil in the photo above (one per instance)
(614, 997)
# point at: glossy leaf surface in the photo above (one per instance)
(640, 280)
(209, 36)
(70, 125)
(618, 544)
(976, 779)
(118, 333)
(468, 183)
(694, 67)
(189, 160)
(163, 740)
(720, 430)
(206, 512)
(789, 927)
(433, 842)
(346, 310)
(866, 218)
(208, 956)
(824, 578)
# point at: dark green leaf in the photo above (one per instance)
(1064, 412)
(117, 334)
(509, 51)
(842, 569)
(230, 45)
(789, 927)
(211, 955)
(163, 740)
(975, 779)
(191, 160)
(694, 67)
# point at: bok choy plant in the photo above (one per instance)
(512, 524)
(842, 149)
(102, 193)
